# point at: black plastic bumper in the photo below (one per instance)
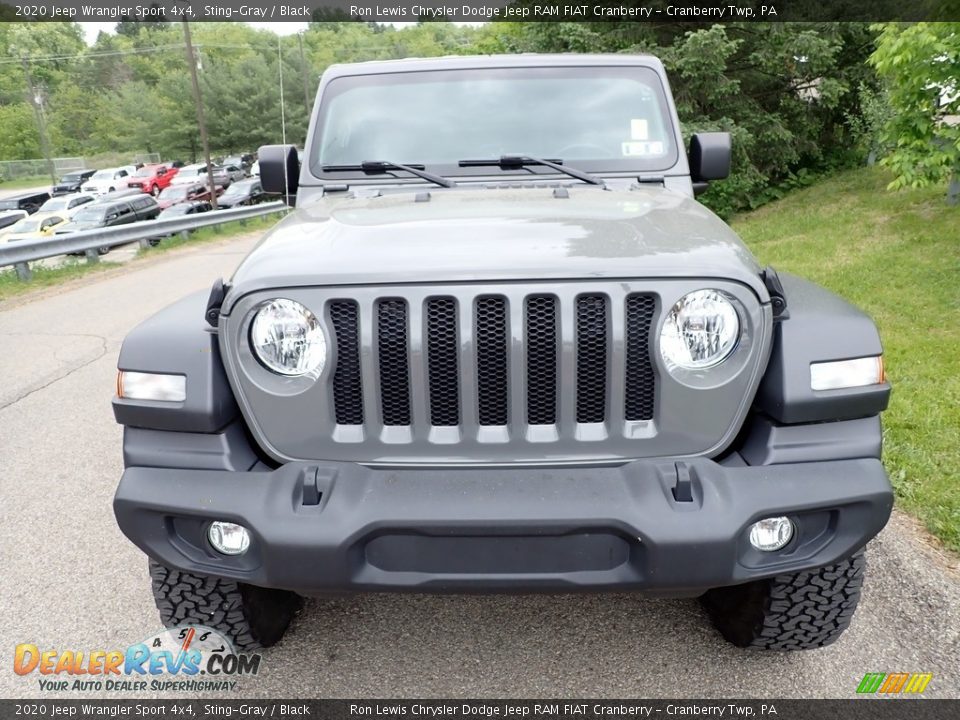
(340, 526)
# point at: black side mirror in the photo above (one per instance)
(280, 171)
(709, 157)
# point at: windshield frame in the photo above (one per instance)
(610, 166)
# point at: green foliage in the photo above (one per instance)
(897, 257)
(18, 140)
(921, 65)
(798, 98)
(785, 91)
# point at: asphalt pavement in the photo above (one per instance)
(70, 580)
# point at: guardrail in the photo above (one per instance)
(89, 242)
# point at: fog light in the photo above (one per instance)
(229, 538)
(771, 533)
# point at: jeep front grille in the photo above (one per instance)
(448, 349)
(474, 373)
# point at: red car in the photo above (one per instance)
(152, 178)
(185, 193)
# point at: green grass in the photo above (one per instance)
(21, 183)
(897, 256)
(11, 286)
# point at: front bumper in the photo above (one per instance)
(340, 526)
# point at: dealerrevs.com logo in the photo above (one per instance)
(190, 659)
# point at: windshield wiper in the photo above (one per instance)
(379, 167)
(507, 162)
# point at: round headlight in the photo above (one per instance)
(700, 331)
(287, 338)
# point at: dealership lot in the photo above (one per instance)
(73, 582)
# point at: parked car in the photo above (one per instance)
(117, 194)
(184, 193)
(243, 161)
(35, 226)
(72, 182)
(195, 173)
(152, 178)
(9, 217)
(583, 380)
(188, 207)
(68, 204)
(104, 181)
(109, 213)
(29, 201)
(242, 192)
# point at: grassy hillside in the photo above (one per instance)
(897, 256)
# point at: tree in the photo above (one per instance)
(921, 66)
(783, 90)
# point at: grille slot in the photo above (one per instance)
(443, 348)
(392, 348)
(640, 389)
(347, 386)
(541, 337)
(591, 358)
(491, 337)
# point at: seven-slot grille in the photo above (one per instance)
(469, 347)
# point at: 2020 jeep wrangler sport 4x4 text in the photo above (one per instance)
(499, 347)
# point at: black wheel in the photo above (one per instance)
(103, 250)
(810, 609)
(155, 190)
(252, 617)
(154, 241)
(111, 190)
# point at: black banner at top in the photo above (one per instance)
(695, 11)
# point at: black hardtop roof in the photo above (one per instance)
(469, 62)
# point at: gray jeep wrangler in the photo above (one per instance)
(499, 347)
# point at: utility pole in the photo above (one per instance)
(201, 118)
(306, 77)
(38, 113)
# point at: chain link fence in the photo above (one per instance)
(15, 169)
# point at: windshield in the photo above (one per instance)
(238, 188)
(55, 204)
(70, 178)
(174, 193)
(595, 118)
(144, 172)
(102, 175)
(175, 210)
(90, 215)
(27, 225)
(9, 205)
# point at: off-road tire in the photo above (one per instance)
(251, 617)
(810, 609)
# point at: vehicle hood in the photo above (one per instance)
(17, 237)
(464, 235)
